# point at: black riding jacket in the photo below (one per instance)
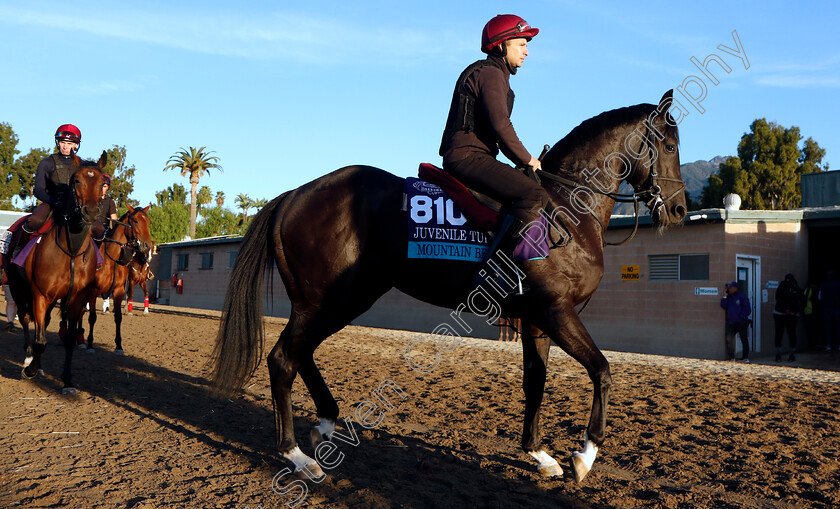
(52, 179)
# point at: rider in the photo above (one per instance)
(479, 125)
(107, 206)
(52, 182)
(107, 214)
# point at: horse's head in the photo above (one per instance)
(138, 230)
(656, 177)
(87, 188)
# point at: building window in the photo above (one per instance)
(183, 262)
(206, 261)
(678, 267)
(232, 259)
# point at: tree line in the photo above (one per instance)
(768, 169)
(173, 217)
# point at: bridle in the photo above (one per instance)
(651, 196)
(132, 244)
(78, 208)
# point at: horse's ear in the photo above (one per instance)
(669, 96)
(103, 160)
(146, 209)
(129, 207)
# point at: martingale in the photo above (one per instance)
(436, 228)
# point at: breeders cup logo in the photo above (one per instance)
(427, 188)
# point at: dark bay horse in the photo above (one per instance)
(139, 273)
(61, 266)
(340, 242)
(130, 237)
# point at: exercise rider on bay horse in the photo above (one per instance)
(479, 126)
(52, 184)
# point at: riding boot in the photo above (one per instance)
(502, 275)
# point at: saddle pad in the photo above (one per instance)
(436, 228)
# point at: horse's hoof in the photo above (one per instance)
(582, 461)
(69, 391)
(119, 352)
(548, 466)
(550, 470)
(81, 346)
(90, 350)
(579, 467)
(27, 376)
(314, 470)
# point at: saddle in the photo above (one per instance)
(486, 214)
(481, 210)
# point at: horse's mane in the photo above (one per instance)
(598, 124)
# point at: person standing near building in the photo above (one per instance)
(738, 311)
(789, 301)
(830, 300)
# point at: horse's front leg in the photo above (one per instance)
(535, 348)
(564, 326)
(33, 347)
(91, 323)
(118, 298)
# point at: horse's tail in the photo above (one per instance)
(239, 342)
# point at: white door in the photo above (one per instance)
(748, 275)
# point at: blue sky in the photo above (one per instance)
(285, 92)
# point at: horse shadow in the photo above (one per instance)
(404, 470)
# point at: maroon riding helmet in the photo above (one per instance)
(68, 132)
(504, 27)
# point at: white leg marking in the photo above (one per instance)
(322, 432)
(548, 466)
(302, 461)
(582, 460)
(28, 361)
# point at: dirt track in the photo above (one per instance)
(144, 430)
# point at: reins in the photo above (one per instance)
(652, 197)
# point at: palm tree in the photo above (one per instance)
(244, 203)
(194, 163)
(220, 198)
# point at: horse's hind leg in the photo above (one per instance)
(284, 361)
(145, 287)
(292, 354)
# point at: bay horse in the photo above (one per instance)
(139, 273)
(340, 242)
(62, 265)
(120, 247)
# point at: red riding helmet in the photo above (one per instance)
(106, 180)
(504, 27)
(68, 132)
